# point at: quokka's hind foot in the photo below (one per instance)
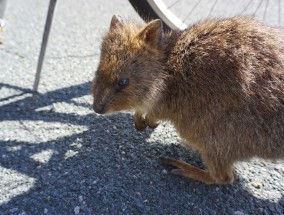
(188, 170)
(195, 173)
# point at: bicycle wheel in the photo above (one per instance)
(179, 14)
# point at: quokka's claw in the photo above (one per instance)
(176, 171)
(153, 126)
(167, 160)
(140, 126)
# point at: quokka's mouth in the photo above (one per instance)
(100, 109)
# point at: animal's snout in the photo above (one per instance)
(99, 108)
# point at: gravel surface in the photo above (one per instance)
(58, 157)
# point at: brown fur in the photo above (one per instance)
(219, 82)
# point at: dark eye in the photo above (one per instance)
(122, 83)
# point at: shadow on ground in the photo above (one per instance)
(114, 169)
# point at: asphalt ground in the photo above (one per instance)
(58, 157)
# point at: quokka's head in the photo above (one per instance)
(130, 72)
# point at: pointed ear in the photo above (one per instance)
(116, 22)
(152, 33)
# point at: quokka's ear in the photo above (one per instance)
(116, 22)
(152, 32)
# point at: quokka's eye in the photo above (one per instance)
(122, 83)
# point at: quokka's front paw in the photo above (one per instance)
(141, 123)
(151, 122)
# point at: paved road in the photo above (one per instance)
(58, 157)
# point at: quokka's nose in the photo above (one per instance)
(99, 108)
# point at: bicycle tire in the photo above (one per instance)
(145, 11)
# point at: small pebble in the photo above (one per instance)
(238, 213)
(257, 185)
(77, 210)
(13, 210)
(165, 171)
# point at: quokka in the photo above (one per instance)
(219, 82)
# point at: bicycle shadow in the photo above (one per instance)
(109, 168)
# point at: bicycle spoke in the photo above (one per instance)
(173, 4)
(212, 8)
(190, 12)
(260, 3)
(246, 7)
(279, 13)
(264, 15)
